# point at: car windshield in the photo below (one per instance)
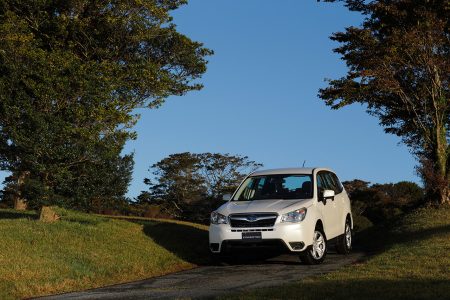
(286, 187)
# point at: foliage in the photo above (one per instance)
(399, 64)
(222, 173)
(177, 179)
(72, 74)
(189, 185)
(383, 202)
(360, 223)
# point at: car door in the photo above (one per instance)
(328, 206)
(340, 199)
(339, 203)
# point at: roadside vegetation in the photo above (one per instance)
(410, 261)
(73, 74)
(83, 251)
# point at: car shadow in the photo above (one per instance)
(187, 242)
(191, 244)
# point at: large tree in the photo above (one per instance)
(72, 74)
(222, 173)
(399, 67)
(193, 183)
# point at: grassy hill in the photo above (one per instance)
(411, 261)
(84, 251)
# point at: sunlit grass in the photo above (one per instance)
(83, 251)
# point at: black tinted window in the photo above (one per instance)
(323, 183)
(291, 186)
(328, 181)
(338, 184)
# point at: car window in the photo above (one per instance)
(293, 183)
(337, 183)
(322, 183)
(331, 183)
(328, 181)
(277, 186)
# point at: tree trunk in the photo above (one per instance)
(441, 166)
(19, 202)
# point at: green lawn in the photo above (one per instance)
(84, 251)
(412, 261)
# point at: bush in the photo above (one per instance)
(383, 202)
(361, 223)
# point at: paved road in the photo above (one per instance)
(208, 281)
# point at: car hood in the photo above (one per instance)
(259, 206)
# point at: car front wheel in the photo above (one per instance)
(315, 254)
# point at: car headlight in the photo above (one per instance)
(217, 218)
(294, 216)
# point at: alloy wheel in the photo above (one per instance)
(319, 246)
(348, 236)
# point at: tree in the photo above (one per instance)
(72, 74)
(399, 64)
(177, 180)
(222, 173)
(382, 202)
(193, 183)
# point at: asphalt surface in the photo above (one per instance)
(210, 281)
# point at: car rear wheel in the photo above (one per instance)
(344, 242)
(315, 254)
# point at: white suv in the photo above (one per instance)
(301, 209)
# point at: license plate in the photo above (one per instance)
(252, 235)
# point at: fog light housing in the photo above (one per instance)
(297, 245)
(214, 247)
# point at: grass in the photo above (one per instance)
(411, 261)
(84, 251)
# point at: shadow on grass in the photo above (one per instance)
(356, 289)
(187, 242)
(423, 234)
(191, 244)
(84, 220)
(377, 239)
(12, 214)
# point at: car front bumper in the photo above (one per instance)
(294, 236)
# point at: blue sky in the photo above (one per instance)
(260, 95)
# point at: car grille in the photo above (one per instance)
(253, 220)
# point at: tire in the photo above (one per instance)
(315, 254)
(344, 241)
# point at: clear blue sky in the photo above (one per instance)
(260, 95)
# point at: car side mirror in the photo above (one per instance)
(328, 194)
(226, 197)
